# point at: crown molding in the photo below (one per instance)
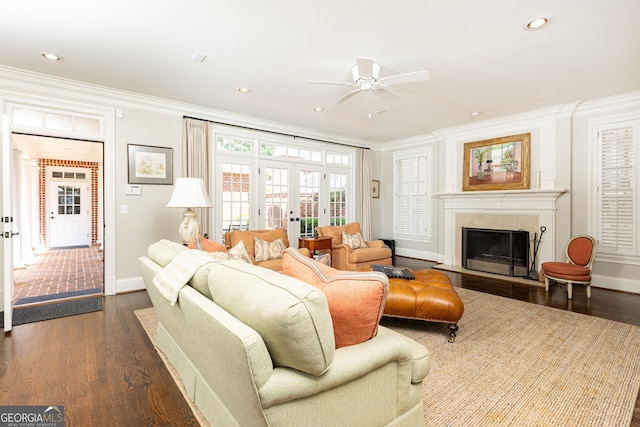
(19, 82)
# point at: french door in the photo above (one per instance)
(291, 198)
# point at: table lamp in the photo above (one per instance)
(189, 193)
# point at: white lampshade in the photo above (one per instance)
(189, 193)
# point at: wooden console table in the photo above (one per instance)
(315, 244)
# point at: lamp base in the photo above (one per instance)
(189, 228)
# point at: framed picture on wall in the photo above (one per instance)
(497, 164)
(375, 189)
(149, 165)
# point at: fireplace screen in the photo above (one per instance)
(503, 252)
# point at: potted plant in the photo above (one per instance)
(480, 154)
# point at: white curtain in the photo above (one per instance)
(195, 161)
(365, 200)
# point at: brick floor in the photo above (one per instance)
(60, 271)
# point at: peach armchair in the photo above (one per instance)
(348, 255)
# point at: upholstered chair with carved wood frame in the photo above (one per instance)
(580, 252)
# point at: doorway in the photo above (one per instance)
(57, 189)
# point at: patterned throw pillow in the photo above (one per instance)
(264, 250)
(354, 241)
(239, 252)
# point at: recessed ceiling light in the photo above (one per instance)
(318, 109)
(536, 23)
(51, 56)
(476, 113)
(243, 89)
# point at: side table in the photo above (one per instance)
(315, 244)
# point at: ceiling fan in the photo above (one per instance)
(366, 78)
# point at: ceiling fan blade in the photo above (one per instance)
(398, 79)
(387, 94)
(347, 96)
(365, 67)
(321, 82)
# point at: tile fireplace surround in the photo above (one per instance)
(504, 210)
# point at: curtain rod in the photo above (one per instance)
(277, 133)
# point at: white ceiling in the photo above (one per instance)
(478, 56)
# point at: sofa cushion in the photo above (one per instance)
(354, 241)
(164, 251)
(265, 250)
(356, 299)
(206, 245)
(291, 316)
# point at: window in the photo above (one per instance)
(236, 202)
(412, 195)
(618, 194)
(269, 181)
(337, 198)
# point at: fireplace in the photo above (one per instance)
(503, 252)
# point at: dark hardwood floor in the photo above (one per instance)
(100, 366)
(104, 370)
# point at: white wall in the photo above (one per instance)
(131, 119)
(559, 149)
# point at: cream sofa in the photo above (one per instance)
(263, 354)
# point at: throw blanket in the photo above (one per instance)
(175, 275)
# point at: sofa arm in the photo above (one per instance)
(350, 363)
(376, 244)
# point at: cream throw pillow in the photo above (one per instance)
(238, 252)
(354, 241)
(264, 250)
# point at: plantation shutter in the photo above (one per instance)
(618, 228)
(410, 209)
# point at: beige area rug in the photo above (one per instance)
(521, 364)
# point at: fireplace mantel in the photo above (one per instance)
(500, 199)
(513, 203)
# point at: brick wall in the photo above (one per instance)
(44, 193)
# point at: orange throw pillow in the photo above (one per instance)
(356, 299)
(206, 245)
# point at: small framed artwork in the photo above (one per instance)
(149, 165)
(497, 164)
(375, 189)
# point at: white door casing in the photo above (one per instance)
(6, 228)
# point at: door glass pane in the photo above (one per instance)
(309, 193)
(236, 206)
(337, 198)
(277, 197)
(69, 199)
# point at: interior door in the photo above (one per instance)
(68, 214)
(291, 198)
(6, 228)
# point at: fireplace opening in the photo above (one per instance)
(503, 252)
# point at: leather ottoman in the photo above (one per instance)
(430, 296)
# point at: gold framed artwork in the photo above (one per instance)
(497, 164)
(375, 189)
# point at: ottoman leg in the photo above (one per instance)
(453, 327)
